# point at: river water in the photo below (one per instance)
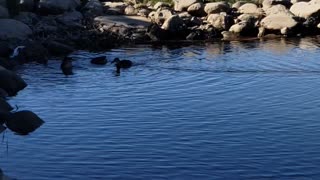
(225, 110)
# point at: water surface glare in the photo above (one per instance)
(216, 111)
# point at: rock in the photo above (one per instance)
(248, 8)
(26, 5)
(278, 9)
(237, 4)
(27, 18)
(70, 19)
(23, 122)
(93, 8)
(160, 16)
(304, 9)
(57, 6)
(3, 94)
(281, 22)
(144, 12)
(5, 107)
(3, 3)
(173, 24)
(216, 7)
(197, 9)
(181, 5)
(4, 12)
(7, 63)
(5, 50)
(58, 49)
(156, 33)
(159, 5)
(11, 82)
(10, 28)
(220, 21)
(130, 10)
(229, 36)
(268, 3)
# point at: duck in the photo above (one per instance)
(66, 66)
(100, 60)
(125, 64)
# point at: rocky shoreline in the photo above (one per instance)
(37, 30)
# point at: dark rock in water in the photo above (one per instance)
(58, 49)
(5, 51)
(66, 66)
(101, 60)
(5, 106)
(7, 63)
(3, 93)
(11, 82)
(23, 122)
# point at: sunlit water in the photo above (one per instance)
(215, 111)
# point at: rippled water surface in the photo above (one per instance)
(215, 111)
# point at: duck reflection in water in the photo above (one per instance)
(66, 66)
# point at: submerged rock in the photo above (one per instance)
(11, 82)
(23, 122)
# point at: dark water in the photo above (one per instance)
(216, 111)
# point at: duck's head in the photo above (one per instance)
(116, 60)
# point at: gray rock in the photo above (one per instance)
(23, 122)
(159, 5)
(3, 3)
(4, 12)
(281, 22)
(27, 18)
(180, 5)
(220, 21)
(10, 28)
(216, 7)
(11, 82)
(305, 9)
(58, 6)
(173, 24)
(197, 9)
(130, 10)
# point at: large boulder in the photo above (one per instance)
(248, 8)
(57, 6)
(130, 10)
(220, 21)
(27, 18)
(180, 5)
(173, 24)
(216, 7)
(4, 12)
(11, 82)
(305, 9)
(23, 122)
(197, 9)
(281, 22)
(278, 9)
(10, 28)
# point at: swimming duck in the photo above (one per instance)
(66, 66)
(101, 60)
(122, 64)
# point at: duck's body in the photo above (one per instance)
(66, 66)
(101, 60)
(125, 64)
